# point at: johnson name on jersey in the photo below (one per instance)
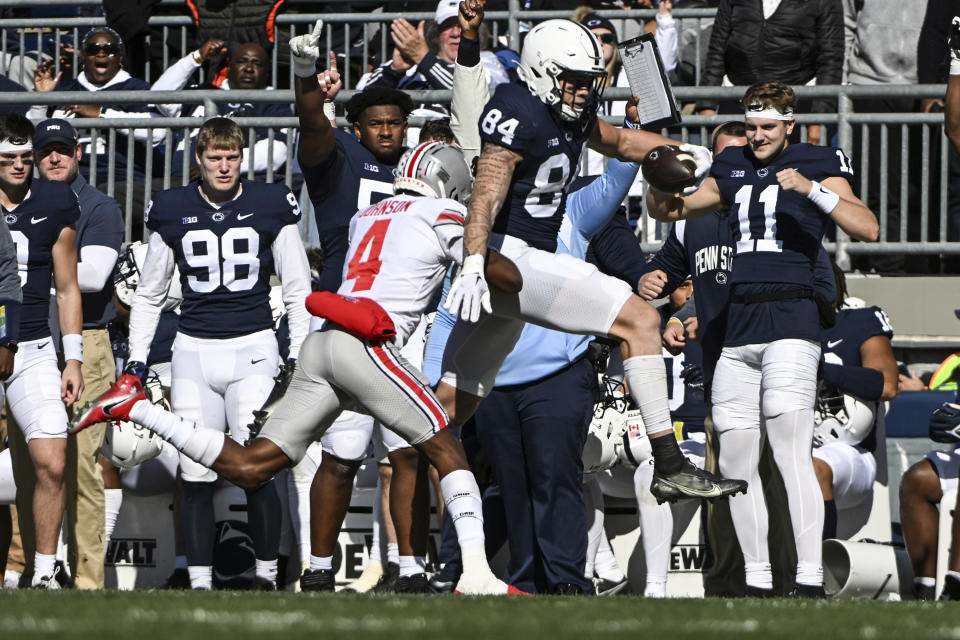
(776, 233)
(224, 254)
(517, 120)
(35, 226)
(396, 243)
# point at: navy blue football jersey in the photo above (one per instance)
(776, 233)
(35, 226)
(224, 254)
(517, 120)
(349, 179)
(842, 342)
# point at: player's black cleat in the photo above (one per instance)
(807, 591)
(757, 592)
(604, 587)
(416, 583)
(179, 579)
(263, 584)
(951, 589)
(318, 580)
(388, 581)
(692, 482)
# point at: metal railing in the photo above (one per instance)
(921, 153)
(175, 34)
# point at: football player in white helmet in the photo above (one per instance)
(860, 374)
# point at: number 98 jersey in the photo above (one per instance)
(225, 254)
(517, 120)
(776, 233)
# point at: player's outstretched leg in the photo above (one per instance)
(461, 497)
(246, 467)
(674, 477)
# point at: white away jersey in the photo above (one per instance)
(399, 250)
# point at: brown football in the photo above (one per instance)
(668, 169)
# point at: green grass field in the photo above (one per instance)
(145, 615)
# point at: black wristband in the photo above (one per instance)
(468, 55)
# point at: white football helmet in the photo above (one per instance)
(557, 47)
(633, 448)
(127, 275)
(126, 444)
(436, 170)
(843, 419)
(606, 429)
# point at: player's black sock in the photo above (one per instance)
(667, 457)
(829, 519)
(263, 520)
(198, 523)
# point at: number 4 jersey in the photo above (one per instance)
(776, 233)
(400, 249)
(227, 253)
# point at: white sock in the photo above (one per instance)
(593, 499)
(393, 553)
(954, 574)
(375, 553)
(43, 566)
(605, 565)
(647, 378)
(656, 588)
(925, 582)
(461, 495)
(656, 526)
(758, 575)
(267, 569)
(198, 443)
(200, 577)
(320, 562)
(412, 565)
(112, 501)
(809, 574)
(180, 562)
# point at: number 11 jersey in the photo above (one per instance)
(224, 254)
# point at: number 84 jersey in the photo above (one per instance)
(225, 254)
(776, 233)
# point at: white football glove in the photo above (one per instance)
(953, 39)
(305, 50)
(469, 291)
(703, 158)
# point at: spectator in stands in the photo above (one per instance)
(99, 236)
(859, 375)
(102, 70)
(247, 69)
(424, 57)
(881, 43)
(7, 85)
(793, 42)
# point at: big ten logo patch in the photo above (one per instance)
(688, 558)
(132, 552)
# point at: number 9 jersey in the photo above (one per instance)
(517, 120)
(225, 254)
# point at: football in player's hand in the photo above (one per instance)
(668, 169)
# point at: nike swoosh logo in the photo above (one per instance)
(243, 216)
(260, 359)
(36, 220)
(832, 343)
(41, 346)
(108, 408)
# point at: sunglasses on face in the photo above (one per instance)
(109, 49)
(606, 38)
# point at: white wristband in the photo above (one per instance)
(954, 67)
(822, 197)
(330, 111)
(73, 347)
(304, 67)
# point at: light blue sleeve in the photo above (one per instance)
(590, 208)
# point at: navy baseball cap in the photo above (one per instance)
(54, 130)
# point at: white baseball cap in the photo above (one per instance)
(446, 9)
